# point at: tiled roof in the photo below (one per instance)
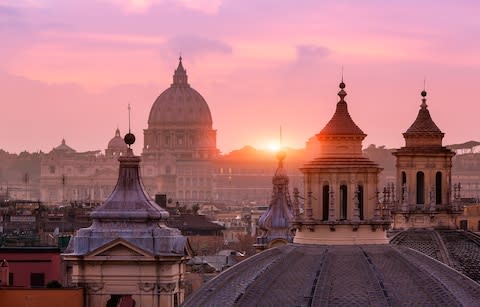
(456, 248)
(423, 123)
(192, 222)
(341, 123)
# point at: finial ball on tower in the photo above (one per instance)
(129, 139)
(281, 155)
(342, 85)
(424, 93)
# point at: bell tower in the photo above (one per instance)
(341, 203)
(424, 174)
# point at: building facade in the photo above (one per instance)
(70, 176)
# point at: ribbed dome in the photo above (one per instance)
(117, 143)
(180, 104)
(336, 275)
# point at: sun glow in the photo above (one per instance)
(275, 147)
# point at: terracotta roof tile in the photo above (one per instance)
(341, 123)
(423, 123)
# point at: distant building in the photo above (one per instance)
(67, 175)
(32, 267)
(180, 143)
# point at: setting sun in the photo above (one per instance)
(274, 147)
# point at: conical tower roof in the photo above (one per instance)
(341, 123)
(424, 123)
(423, 133)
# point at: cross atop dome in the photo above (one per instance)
(180, 78)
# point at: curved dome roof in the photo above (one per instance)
(63, 147)
(117, 142)
(180, 104)
(348, 275)
(456, 248)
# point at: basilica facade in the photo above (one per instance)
(180, 144)
(178, 154)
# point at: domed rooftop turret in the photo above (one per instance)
(117, 143)
(129, 214)
(63, 148)
(180, 104)
(116, 146)
(275, 222)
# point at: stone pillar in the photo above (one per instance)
(167, 291)
(308, 210)
(356, 203)
(331, 204)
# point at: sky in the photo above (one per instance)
(69, 69)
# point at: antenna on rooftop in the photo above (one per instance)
(281, 144)
(129, 118)
(129, 137)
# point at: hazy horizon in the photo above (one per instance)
(69, 69)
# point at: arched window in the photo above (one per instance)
(420, 188)
(404, 185)
(326, 200)
(438, 188)
(360, 201)
(343, 202)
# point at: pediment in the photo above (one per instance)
(119, 248)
